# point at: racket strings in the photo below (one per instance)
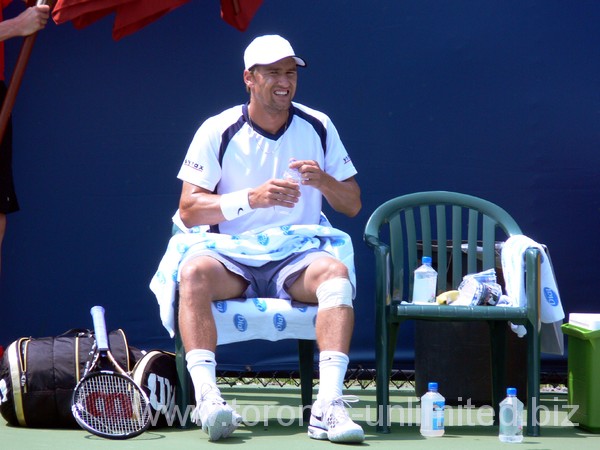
(112, 405)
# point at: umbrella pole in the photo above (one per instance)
(15, 83)
(17, 78)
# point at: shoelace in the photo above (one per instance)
(337, 408)
(207, 389)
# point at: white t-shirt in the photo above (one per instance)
(250, 156)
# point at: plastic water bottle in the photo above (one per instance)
(511, 417)
(432, 412)
(289, 175)
(425, 283)
(292, 174)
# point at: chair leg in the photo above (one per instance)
(183, 390)
(384, 355)
(533, 381)
(533, 289)
(306, 351)
(498, 364)
(381, 381)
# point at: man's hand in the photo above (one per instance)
(32, 20)
(343, 196)
(311, 172)
(275, 192)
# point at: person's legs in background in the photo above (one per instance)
(8, 197)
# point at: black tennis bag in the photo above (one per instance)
(156, 374)
(38, 376)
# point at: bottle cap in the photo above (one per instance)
(511, 392)
(432, 386)
(426, 260)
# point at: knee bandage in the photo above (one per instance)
(335, 292)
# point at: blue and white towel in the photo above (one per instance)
(551, 310)
(513, 268)
(254, 250)
(269, 319)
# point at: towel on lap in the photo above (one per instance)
(252, 249)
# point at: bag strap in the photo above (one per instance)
(78, 332)
(140, 366)
(114, 337)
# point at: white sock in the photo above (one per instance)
(332, 370)
(202, 366)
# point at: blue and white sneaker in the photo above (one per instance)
(330, 420)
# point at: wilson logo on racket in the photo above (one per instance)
(101, 404)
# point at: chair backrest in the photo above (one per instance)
(462, 233)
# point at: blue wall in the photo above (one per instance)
(500, 99)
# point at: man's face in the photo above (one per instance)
(273, 86)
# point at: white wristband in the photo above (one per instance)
(235, 204)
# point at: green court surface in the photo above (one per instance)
(272, 420)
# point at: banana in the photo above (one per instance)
(447, 297)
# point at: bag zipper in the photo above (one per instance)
(18, 369)
(23, 363)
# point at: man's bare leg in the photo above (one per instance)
(326, 281)
(204, 280)
(334, 325)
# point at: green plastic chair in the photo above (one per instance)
(453, 228)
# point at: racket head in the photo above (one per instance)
(110, 405)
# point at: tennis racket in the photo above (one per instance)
(108, 403)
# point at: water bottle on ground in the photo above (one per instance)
(432, 412)
(511, 418)
(290, 175)
(425, 283)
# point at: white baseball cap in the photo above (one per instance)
(269, 49)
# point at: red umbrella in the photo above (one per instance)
(132, 15)
(239, 13)
(83, 12)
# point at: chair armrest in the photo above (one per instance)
(466, 313)
(382, 270)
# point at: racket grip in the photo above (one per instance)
(97, 313)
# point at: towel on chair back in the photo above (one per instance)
(551, 310)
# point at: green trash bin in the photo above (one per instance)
(584, 373)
